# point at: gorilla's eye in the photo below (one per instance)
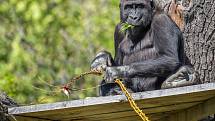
(134, 6)
(140, 6)
(127, 7)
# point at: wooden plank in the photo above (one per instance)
(127, 118)
(196, 112)
(205, 109)
(179, 116)
(108, 109)
(163, 119)
(116, 107)
(21, 118)
(202, 110)
(131, 113)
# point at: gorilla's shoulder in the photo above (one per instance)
(163, 21)
(161, 18)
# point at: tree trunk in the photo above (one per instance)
(196, 18)
(200, 38)
(5, 102)
(3, 111)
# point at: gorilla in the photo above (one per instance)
(146, 54)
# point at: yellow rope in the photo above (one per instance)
(123, 88)
(131, 101)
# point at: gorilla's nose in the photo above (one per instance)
(134, 17)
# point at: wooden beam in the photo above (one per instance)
(154, 103)
(202, 110)
(22, 118)
(199, 111)
(195, 113)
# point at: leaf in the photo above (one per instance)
(125, 27)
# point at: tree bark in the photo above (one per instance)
(5, 102)
(196, 18)
(3, 112)
(200, 38)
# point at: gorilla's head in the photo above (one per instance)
(136, 12)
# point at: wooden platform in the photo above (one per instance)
(178, 104)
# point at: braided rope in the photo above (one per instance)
(131, 101)
(123, 88)
(98, 73)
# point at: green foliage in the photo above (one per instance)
(125, 27)
(50, 41)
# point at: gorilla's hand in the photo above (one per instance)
(101, 61)
(112, 73)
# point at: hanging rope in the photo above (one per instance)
(123, 88)
(67, 88)
(131, 101)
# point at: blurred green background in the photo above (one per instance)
(46, 42)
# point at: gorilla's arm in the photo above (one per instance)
(118, 37)
(166, 36)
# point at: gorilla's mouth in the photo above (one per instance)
(135, 22)
(126, 26)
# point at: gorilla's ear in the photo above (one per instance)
(152, 3)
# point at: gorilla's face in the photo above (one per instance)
(136, 12)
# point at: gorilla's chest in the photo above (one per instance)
(141, 51)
